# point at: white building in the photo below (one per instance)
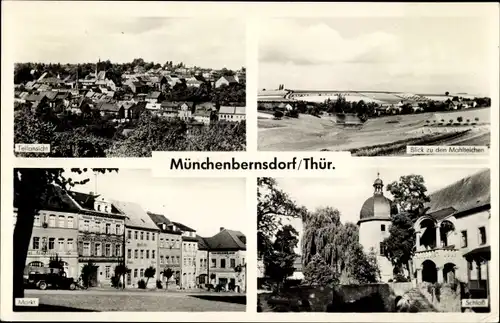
(232, 113)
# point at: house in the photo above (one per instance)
(232, 113)
(202, 116)
(55, 233)
(169, 249)
(141, 243)
(227, 254)
(127, 108)
(185, 111)
(154, 108)
(136, 86)
(193, 82)
(226, 80)
(101, 230)
(136, 110)
(111, 108)
(170, 109)
(154, 97)
(188, 254)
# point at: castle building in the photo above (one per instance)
(374, 222)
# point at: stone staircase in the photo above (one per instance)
(416, 302)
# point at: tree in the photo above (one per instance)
(168, 273)
(31, 186)
(399, 247)
(149, 273)
(88, 271)
(363, 268)
(273, 204)
(460, 119)
(446, 93)
(318, 272)
(120, 271)
(279, 260)
(409, 194)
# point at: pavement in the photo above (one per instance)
(134, 300)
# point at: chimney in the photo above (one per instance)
(221, 228)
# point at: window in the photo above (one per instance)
(135, 273)
(70, 222)
(185, 260)
(60, 243)
(36, 243)
(129, 279)
(129, 253)
(135, 235)
(178, 260)
(118, 229)
(161, 259)
(232, 263)
(86, 248)
(99, 207)
(161, 243)
(37, 221)
(152, 254)
(223, 263)
(108, 272)
(167, 259)
(52, 221)
(464, 239)
(482, 235)
(98, 249)
(142, 272)
(147, 254)
(52, 242)
(201, 262)
(136, 253)
(153, 236)
(381, 249)
(118, 250)
(108, 250)
(147, 235)
(129, 234)
(108, 228)
(69, 244)
(242, 261)
(382, 227)
(97, 226)
(142, 235)
(142, 254)
(214, 263)
(86, 225)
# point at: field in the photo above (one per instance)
(309, 133)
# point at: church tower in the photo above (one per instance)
(374, 222)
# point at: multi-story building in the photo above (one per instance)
(100, 236)
(141, 243)
(188, 254)
(226, 259)
(452, 236)
(169, 249)
(55, 233)
(202, 254)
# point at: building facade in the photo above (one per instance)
(227, 259)
(169, 250)
(188, 254)
(452, 239)
(100, 236)
(141, 244)
(55, 233)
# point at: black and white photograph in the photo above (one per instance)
(121, 240)
(382, 240)
(111, 86)
(374, 85)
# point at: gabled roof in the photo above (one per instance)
(158, 218)
(135, 216)
(183, 227)
(86, 201)
(202, 244)
(232, 110)
(169, 105)
(108, 106)
(153, 95)
(227, 240)
(464, 195)
(229, 79)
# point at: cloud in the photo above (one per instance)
(284, 41)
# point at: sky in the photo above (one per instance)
(204, 204)
(413, 54)
(70, 38)
(347, 194)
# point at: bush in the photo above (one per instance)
(399, 278)
(141, 284)
(115, 282)
(292, 114)
(159, 284)
(278, 114)
(389, 281)
(460, 119)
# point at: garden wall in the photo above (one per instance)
(446, 300)
(342, 298)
